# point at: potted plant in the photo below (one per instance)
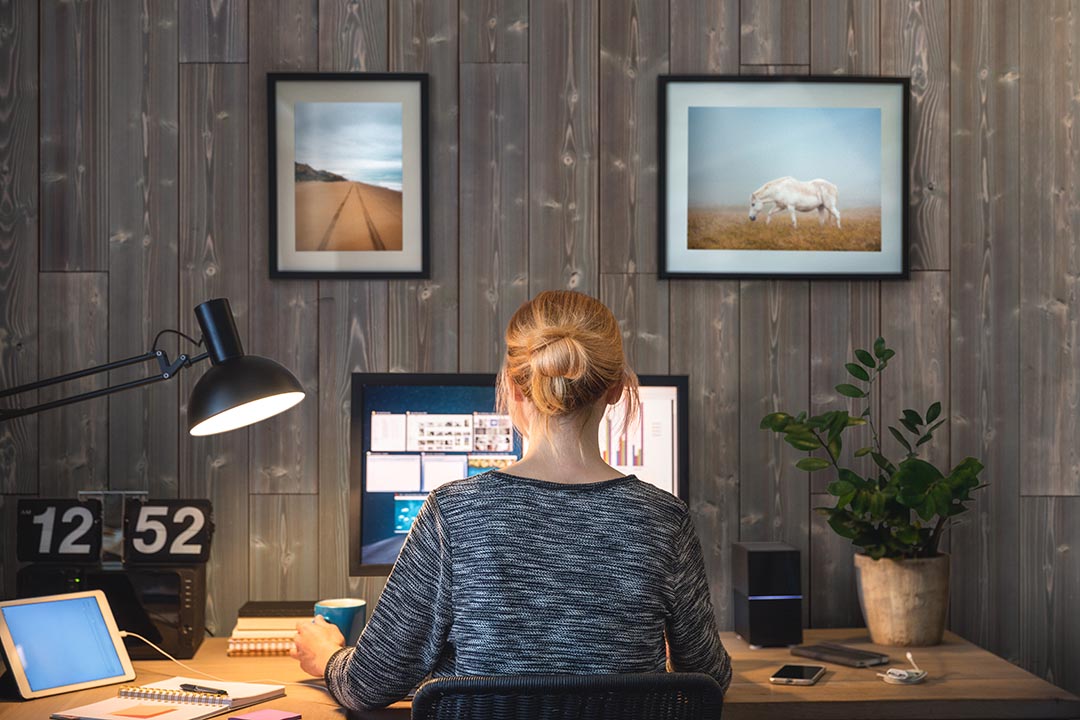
(896, 515)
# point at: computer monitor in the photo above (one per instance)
(413, 432)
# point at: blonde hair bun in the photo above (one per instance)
(564, 353)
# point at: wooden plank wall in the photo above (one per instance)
(133, 186)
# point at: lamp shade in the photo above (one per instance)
(239, 392)
(238, 389)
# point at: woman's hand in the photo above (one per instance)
(315, 642)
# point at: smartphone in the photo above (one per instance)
(797, 675)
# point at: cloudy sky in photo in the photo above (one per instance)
(734, 151)
(357, 140)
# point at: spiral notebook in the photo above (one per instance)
(166, 701)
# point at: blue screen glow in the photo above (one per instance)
(62, 642)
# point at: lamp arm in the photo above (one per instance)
(166, 371)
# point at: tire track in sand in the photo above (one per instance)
(333, 221)
(372, 230)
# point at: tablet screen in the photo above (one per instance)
(62, 642)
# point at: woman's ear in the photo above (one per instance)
(614, 394)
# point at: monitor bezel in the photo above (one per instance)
(361, 380)
(18, 672)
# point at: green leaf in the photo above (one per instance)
(900, 438)
(933, 412)
(858, 371)
(909, 426)
(879, 348)
(810, 464)
(834, 446)
(775, 421)
(887, 356)
(913, 417)
(850, 391)
(802, 442)
(866, 359)
(863, 451)
(839, 488)
(924, 439)
(853, 421)
(883, 462)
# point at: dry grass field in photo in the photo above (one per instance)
(730, 228)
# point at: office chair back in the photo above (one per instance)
(645, 696)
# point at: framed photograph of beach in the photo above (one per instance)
(783, 177)
(348, 175)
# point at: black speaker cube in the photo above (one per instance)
(768, 594)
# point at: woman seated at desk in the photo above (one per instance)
(559, 564)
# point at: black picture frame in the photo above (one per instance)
(665, 270)
(416, 270)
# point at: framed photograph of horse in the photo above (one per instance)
(783, 177)
(348, 169)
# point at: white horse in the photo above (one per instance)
(787, 193)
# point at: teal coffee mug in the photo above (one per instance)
(349, 614)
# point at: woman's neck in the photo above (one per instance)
(565, 452)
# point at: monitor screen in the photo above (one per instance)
(62, 642)
(412, 433)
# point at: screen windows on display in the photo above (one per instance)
(415, 433)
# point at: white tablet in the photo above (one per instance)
(61, 643)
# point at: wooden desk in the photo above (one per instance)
(965, 682)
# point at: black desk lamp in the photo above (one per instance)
(237, 390)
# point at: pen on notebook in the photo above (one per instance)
(203, 689)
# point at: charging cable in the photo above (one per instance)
(125, 633)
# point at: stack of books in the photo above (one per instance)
(268, 628)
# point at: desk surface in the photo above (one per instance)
(964, 682)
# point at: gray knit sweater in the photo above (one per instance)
(502, 575)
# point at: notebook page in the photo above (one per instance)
(239, 692)
(128, 709)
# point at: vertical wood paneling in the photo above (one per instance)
(74, 135)
(704, 330)
(915, 44)
(494, 31)
(284, 561)
(73, 441)
(424, 313)
(352, 35)
(18, 240)
(775, 32)
(352, 319)
(774, 363)
(1050, 263)
(844, 37)
(633, 51)
(915, 321)
(774, 70)
(834, 598)
(985, 284)
(214, 261)
(494, 208)
(705, 346)
(640, 302)
(284, 314)
(704, 36)
(143, 217)
(1050, 585)
(213, 31)
(563, 137)
(843, 316)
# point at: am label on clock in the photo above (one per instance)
(58, 530)
(167, 531)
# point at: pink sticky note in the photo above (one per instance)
(267, 714)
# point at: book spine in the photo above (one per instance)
(185, 697)
(247, 647)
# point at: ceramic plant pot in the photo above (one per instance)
(904, 602)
